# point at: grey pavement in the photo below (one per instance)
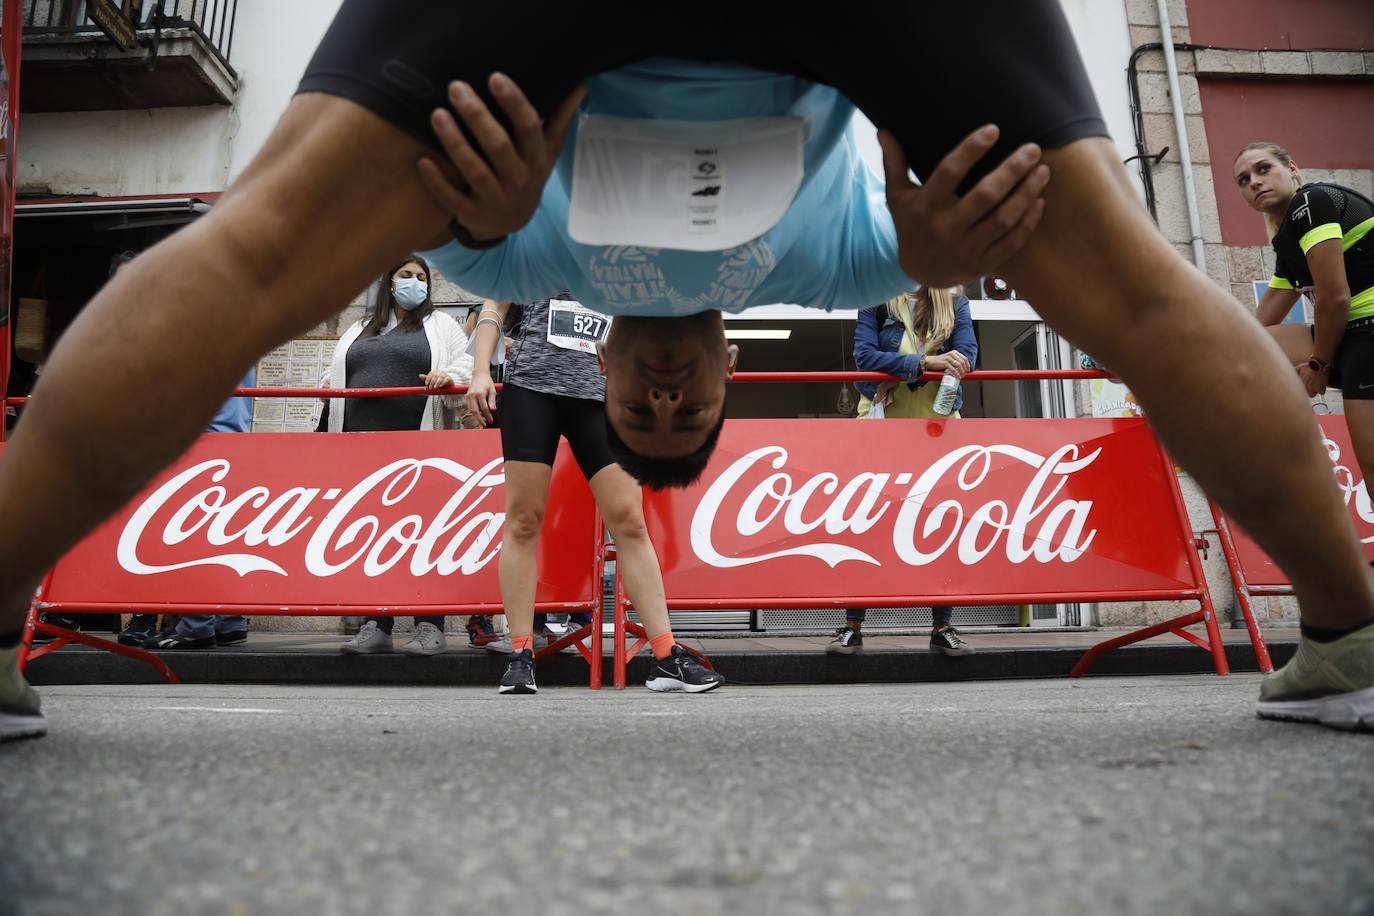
(1111, 795)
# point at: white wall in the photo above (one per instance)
(201, 149)
(1103, 37)
(180, 150)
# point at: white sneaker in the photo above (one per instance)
(369, 641)
(428, 640)
(500, 646)
(21, 712)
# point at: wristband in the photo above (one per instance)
(467, 241)
(1317, 364)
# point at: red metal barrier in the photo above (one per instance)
(992, 511)
(1253, 572)
(303, 524)
(1088, 490)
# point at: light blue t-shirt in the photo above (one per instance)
(835, 247)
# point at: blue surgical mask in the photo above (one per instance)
(409, 293)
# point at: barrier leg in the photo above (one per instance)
(105, 645)
(1102, 648)
(1228, 550)
(1209, 614)
(598, 616)
(618, 634)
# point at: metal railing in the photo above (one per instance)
(211, 20)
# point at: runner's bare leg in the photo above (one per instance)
(329, 202)
(1215, 386)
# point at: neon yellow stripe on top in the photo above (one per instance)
(1277, 282)
(1318, 235)
(1362, 304)
(1352, 238)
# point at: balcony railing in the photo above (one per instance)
(175, 55)
(212, 21)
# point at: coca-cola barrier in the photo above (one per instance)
(1253, 571)
(309, 524)
(790, 513)
(841, 513)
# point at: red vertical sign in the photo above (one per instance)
(11, 37)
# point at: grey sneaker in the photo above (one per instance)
(21, 711)
(369, 641)
(500, 645)
(1327, 682)
(551, 637)
(428, 640)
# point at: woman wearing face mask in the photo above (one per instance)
(404, 342)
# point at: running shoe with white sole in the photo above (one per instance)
(21, 711)
(1331, 683)
(519, 676)
(682, 671)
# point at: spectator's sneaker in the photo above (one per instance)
(21, 712)
(428, 640)
(141, 628)
(231, 638)
(847, 641)
(501, 646)
(948, 641)
(519, 676)
(682, 671)
(551, 637)
(482, 632)
(541, 639)
(1327, 682)
(369, 641)
(175, 642)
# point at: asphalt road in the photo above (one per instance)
(1150, 795)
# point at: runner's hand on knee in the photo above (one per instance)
(944, 239)
(498, 194)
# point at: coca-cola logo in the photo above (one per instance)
(1037, 526)
(1351, 489)
(194, 513)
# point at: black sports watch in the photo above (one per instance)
(467, 241)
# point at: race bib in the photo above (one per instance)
(690, 185)
(573, 326)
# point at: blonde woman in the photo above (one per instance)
(930, 330)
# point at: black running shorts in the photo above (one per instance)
(930, 71)
(532, 421)
(1352, 370)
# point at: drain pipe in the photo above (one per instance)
(1181, 127)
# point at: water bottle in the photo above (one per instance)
(946, 395)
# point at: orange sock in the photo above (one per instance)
(522, 642)
(662, 644)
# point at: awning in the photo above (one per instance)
(142, 210)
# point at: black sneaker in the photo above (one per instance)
(177, 641)
(65, 621)
(141, 628)
(231, 638)
(682, 671)
(847, 641)
(947, 640)
(519, 676)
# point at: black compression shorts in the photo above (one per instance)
(1352, 370)
(532, 421)
(931, 72)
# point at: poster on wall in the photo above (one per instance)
(295, 364)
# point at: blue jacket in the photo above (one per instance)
(236, 414)
(875, 346)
